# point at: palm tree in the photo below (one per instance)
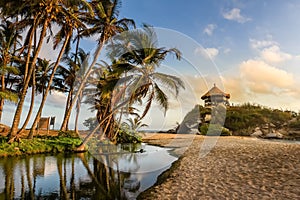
(138, 57)
(37, 14)
(106, 24)
(40, 79)
(65, 17)
(69, 76)
(8, 38)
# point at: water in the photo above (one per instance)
(108, 172)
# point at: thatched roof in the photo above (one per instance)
(215, 91)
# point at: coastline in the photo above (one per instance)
(236, 168)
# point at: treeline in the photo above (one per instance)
(111, 88)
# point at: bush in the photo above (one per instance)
(125, 136)
(295, 124)
(214, 130)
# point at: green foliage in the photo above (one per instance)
(214, 130)
(295, 124)
(248, 116)
(38, 145)
(126, 136)
(91, 123)
(70, 134)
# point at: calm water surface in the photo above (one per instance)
(108, 172)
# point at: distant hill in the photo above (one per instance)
(247, 119)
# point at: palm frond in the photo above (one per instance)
(161, 98)
(170, 81)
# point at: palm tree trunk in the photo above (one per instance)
(31, 104)
(79, 90)
(69, 99)
(81, 147)
(77, 113)
(37, 118)
(76, 118)
(2, 99)
(18, 112)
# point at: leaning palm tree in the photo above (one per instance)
(134, 75)
(105, 23)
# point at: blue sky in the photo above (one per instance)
(254, 45)
(251, 49)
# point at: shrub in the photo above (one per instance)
(125, 136)
(295, 124)
(214, 130)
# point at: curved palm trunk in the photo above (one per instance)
(89, 71)
(81, 147)
(37, 118)
(19, 108)
(31, 104)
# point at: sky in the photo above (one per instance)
(250, 49)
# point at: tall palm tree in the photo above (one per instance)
(137, 59)
(9, 36)
(65, 17)
(40, 79)
(39, 14)
(106, 24)
(68, 76)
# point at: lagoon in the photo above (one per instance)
(105, 172)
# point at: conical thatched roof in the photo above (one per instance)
(215, 91)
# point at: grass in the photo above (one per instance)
(48, 144)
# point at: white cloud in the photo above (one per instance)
(235, 15)
(264, 78)
(269, 51)
(260, 44)
(57, 98)
(274, 55)
(209, 29)
(209, 53)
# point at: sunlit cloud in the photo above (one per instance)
(235, 15)
(269, 50)
(274, 55)
(261, 74)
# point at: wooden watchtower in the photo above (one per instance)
(214, 97)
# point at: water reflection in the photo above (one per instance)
(111, 173)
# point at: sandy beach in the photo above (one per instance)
(235, 168)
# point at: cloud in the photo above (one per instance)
(260, 44)
(274, 55)
(261, 77)
(235, 15)
(269, 51)
(57, 98)
(209, 53)
(209, 29)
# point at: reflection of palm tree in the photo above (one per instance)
(63, 187)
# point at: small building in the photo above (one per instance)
(215, 96)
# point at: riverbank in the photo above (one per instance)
(39, 144)
(236, 168)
